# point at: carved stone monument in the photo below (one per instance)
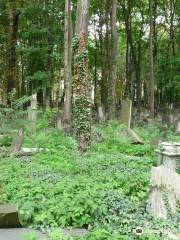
(165, 176)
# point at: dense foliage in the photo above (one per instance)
(105, 190)
(39, 49)
(66, 68)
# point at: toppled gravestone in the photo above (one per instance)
(132, 135)
(9, 216)
(26, 151)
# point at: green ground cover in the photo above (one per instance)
(106, 190)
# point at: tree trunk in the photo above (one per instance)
(106, 59)
(127, 19)
(82, 87)
(113, 67)
(48, 90)
(67, 64)
(96, 95)
(151, 61)
(172, 29)
(11, 71)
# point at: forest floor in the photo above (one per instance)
(105, 191)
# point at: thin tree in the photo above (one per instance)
(11, 69)
(151, 60)
(67, 64)
(114, 53)
(82, 86)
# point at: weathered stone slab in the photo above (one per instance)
(132, 135)
(135, 137)
(32, 113)
(163, 177)
(169, 154)
(59, 121)
(101, 114)
(156, 204)
(17, 142)
(25, 151)
(9, 216)
(75, 232)
(21, 234)
(126, 109)
(178, 127)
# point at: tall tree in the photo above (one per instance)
(82, 87)
(67, 64)
(151, 60)
(11, 70)
(114, 53)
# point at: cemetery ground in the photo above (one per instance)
(104, 191)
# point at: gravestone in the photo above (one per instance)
(101, 114)
(25, 151)
(17, 142)
(59, 121)
(126, 109)
(165, 175)
(9, 217)
(178, 126)
(32, 113)
(135, 137)
(168, 154)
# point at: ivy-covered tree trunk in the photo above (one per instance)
(81, 86)
(113, 67)
(67, 65)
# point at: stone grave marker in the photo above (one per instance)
(32, 113)
(101, 114)
(178, 127)
(165, 175)
(17, 142)
(59, 121)
(9, 217)
(126, 109)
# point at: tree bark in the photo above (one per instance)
(67, 64)
(172, 28)
(11, 70)
(151, 61)
(113, 68)
(48, 90)
(105, 58)
(82, 87)
(127, 19)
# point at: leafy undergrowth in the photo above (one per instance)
(105, 190)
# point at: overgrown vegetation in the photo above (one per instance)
(105, 190)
